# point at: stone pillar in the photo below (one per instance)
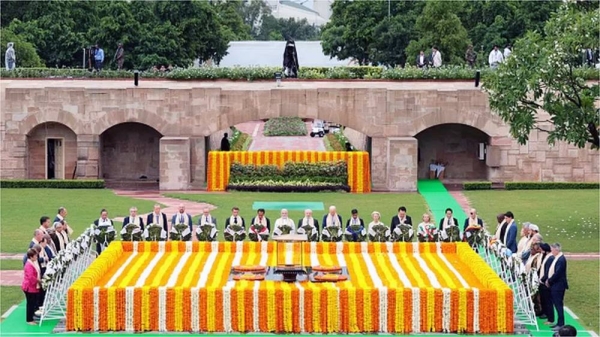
(88, 156)
(175, 163)
(402, 164)
(379, 167)
(197, 162)
(14, 156)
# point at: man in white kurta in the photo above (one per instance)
(284, 221)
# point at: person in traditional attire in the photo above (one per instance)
(10, 57)
(436, 57)
(235, 218)
(448, 220)
(31, 285)
(260, 218)
(495, 58)
(134, 219)
(525, 237)
(308, 221)
(355, 220)
(400, 219)
(157, 217)
(533, 263)
(182, 218)
(45, 224)
(50, 247)
(507, 232)
(284, 221)
(61, 238)
(544, 291)
(332, 218)
(557, 283)
(103, 221)
(290, 60)
(535, 238)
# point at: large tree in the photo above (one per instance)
(538, 87)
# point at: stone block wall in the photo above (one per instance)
(175, 163)
(357, 139)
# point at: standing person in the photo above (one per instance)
(31, 284)
(557, 282)
(105, 222)
(471, 56)
(495, 58)
(507, 51)
(98, 58)
(120, 56)
(61, 218)
(421, 60)
(436, 57)
(507, 232)
(10, 57)
(225, 146)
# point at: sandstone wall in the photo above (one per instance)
(390, 113)
(357, 139)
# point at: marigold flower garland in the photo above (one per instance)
(393, 287)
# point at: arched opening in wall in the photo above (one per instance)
(51, 152)
(130, 155)
(458, 146)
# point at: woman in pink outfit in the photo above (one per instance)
(31, 284)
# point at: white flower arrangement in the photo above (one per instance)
(104, 234)
(311, 232)
(57, 267)
(207, 232)
(180, 232)
(155, 232)
(403, 233)
(258, 232)
(234, 232)
(358, 230)
(450, 234)
(379, 233)
(131, 232)
(331, 234)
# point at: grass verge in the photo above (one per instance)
(583, 297)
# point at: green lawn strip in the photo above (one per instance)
(6, 264)
(583, 297)
(385, 203)
(22, 209)
(567, 216)
(10, 296)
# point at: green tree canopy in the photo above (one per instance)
(536, 87)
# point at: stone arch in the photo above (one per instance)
(51, 151)
(27, 125)
(483, 121)
(457, 145)
(114, 118)
(130, 151)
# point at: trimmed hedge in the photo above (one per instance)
(268, 73)
(477, 185)
(70, 184)
(285, 126)
(322, 172)
(298, 189)
(550, 186)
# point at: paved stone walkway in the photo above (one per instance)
(263, 143)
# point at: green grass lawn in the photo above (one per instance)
(11, 264)
(583, 297)
(10, 296)
(570, 217)
(387, 204)
(22, 209)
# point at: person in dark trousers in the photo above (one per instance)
(225, 146)
(31, 284)
(290, 60)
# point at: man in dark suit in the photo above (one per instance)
(448, 220)
(308, 220)
(472, 220)
(207, 218)
(332, 218)
(510, 239)
(61, 218)
(105, 222)
(355, 220)
(557, 283)
(134, 218)
(401, 218)
(158, 217)
(235, 218)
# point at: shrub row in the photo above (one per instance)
(240, 141)
(291, 171)
(306, 186)
(285, 126)
(477, 185)
(268, 73)
(550, 186)
(70, 184)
